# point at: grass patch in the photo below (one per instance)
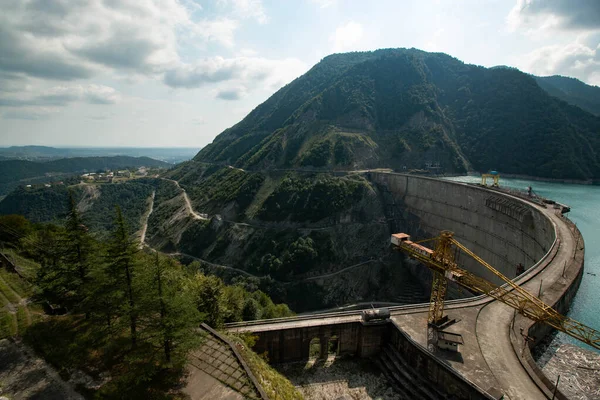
(274, 384)
(16, 283)
(25, 266)
(8, 324)
(3, 300)
(22, 319)
(8, 292)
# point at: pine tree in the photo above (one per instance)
(121, 269)
(208, 292)
(167, 310)
(78, 257)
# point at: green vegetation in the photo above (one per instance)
(8, 324)
(573, 91)
(223, 186)
(311, 199)
(38, 204)
(50, 204)
(131, 314)
(416, 109)
(275, 385)
(131, 197)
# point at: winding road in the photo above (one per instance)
(146, 218)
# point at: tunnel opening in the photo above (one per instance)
(332, 346)
(314, 348)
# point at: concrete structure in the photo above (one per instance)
(217, 371)
(505, 231)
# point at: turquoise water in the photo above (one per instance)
(584, 201)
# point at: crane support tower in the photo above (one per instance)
(494, 175)
(441, 260)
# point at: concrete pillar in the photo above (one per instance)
(324, 342)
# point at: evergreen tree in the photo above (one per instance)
(207, 292)
(121, 270)
(78, 257)
(169, 308)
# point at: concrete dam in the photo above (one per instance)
(495, 358)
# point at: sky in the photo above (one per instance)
(167, 73)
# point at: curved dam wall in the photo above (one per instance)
(498, 228)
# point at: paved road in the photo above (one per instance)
(493, 324)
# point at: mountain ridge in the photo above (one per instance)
(409, 109)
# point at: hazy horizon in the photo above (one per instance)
(175, 73)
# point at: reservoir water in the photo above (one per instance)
(584, 201)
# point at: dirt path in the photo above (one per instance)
(145, 220)
(188, 203)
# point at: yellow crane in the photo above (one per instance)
(441, 260)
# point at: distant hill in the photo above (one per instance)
(16, 172)
(171, 155)
(409, 109)
(573, 91)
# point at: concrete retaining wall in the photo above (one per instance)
(287, 345)
(432, 369)
(502, 231)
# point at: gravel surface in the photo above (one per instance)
(337, 378)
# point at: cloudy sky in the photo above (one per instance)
(178, 72)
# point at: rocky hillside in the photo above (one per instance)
(287, 233)
(408, 109)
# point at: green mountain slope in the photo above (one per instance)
(409, 109)
(573, 91)
(96, 202)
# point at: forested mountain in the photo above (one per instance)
(96, 203)
(15, 172)
(573, 91)
(409, 109)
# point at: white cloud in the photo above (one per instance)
(574, 20)
(535, 16)
(220, 31)
(246, 9)
(230, 94)
(198, 121)
(347, 37)
(246, 72)
(59, 96)
(30, 113)
(324, 3)
(577, 59)
(75, 39)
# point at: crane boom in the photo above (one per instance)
(442, 263)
